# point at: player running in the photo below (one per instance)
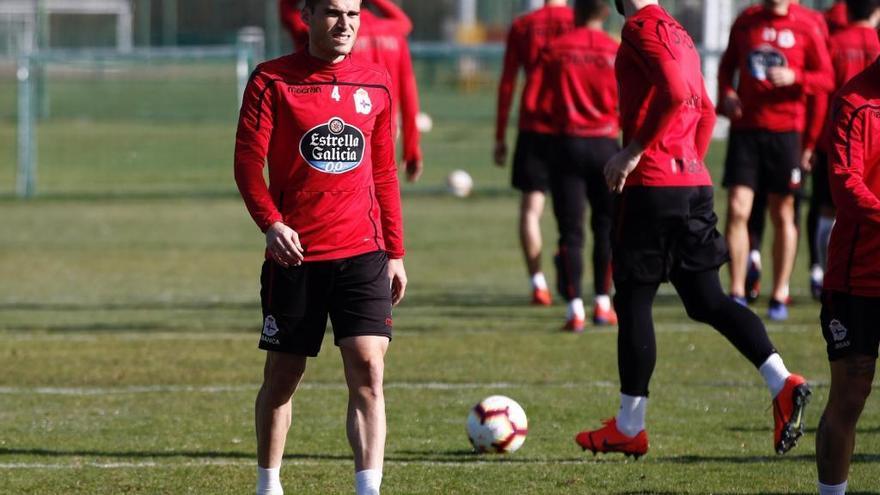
(780, 57)
(334, 236)
(664, 228)
(528, 35)
(580, 93)
(851, 301)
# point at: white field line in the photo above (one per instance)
(287, 462)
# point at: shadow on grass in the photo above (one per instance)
(131, 306)
(756, 459)
(812, 429)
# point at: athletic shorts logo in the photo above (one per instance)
(270, 327)
(362, 102)
(838, 331)
(796, 178)
(333, 148)
(763, 58)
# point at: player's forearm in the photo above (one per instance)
(253, 190)
(817, 109)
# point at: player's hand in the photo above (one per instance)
(500, 155)
(414, 170)
(807, 160)
(731, 106)
(780, 76)
(397, 276)
(621, 165)
(283, 245)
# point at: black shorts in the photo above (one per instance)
(661, 229)
(531, 161)
(821, 195)
(355, 292)
(850, 324)
(764, 161)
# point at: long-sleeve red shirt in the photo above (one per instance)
(854, 176)
(579, 90)
(528, 35)
(759, 40)
(381, 40)
(325, 131)
(663, 101)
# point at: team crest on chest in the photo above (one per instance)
(362, 102)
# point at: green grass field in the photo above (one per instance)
(129, 318)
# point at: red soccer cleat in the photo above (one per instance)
(604, 316)
(541, 297)
(609, 439)
(788, 413)
(574, 325)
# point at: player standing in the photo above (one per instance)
(664, 227)
(334, 236)
(580, 93)
(528, 35)
(780, 57)
(851, 300)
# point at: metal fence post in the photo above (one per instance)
(27, 139)
(251, 48)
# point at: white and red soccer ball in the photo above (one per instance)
(459, 183)
(497, 424)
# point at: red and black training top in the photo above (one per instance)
(761, 39)
(325, 131)
(529, 34)
(663, 101)
(579, 90)
(854, 175)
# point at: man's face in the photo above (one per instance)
(333, 27)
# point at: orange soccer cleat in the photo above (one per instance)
(541, 297)
(788, 413)
(609, 439)
(604, 316)
(574, 325)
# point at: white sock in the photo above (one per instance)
(755, 257)
(576, 309)
(538, 281)
(832, 489)
(774, 372)
(817, 274)
(823, 235)
(368, 481)
(269, 481)
(631, 416)
(603, 301)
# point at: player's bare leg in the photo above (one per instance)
(364, 361)
(785, 240)
(851, 380)
(281, 375)
(530, 211)
(740, 199)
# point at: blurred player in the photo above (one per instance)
(580, 91)
(528, 35)
(851, 301)
(664, 227)
(334, 237)
(836, 16)
(382, 40)
(780, 56)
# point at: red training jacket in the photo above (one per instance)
(579, 90)
(325, 131)
(854, 175)
(663, 101)
(529, 34)
(837, 17)
(759, 40)
(816, 104)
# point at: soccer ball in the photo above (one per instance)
(459, 183)
(497, 424)
(424, 122)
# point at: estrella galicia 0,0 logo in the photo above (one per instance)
(333, 148)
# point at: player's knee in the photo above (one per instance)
(282, 374)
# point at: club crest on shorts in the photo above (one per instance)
(362, 102)
(333, 148)
(270, 327)
(838, 331)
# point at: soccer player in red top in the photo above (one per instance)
(528, 35)
(780, 56)
(851, 300)
(664, 227)
(382, 40)
(332, 219)
(580, 93)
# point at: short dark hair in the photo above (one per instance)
(861, 10)
(585, 10)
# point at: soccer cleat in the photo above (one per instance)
(753, 282)
(604, 316)
(788, 413)
(574, 325)
(541, 297)
(777, 311)
(740, 300)
(609, 439)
